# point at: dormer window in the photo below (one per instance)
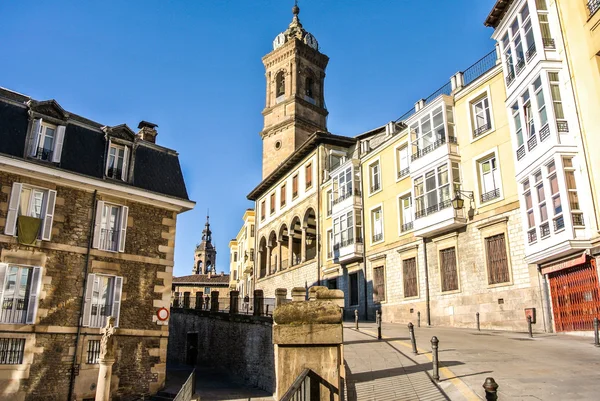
(280, 85)
(46, 141)
(117, 162)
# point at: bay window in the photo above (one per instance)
(542, 206)
(432, 190)
(343, 230)
(559, 114)
(518, 44)
(576, 214)
(531, 230)
(428, 133)
(342, 185)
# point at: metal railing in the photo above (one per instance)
(108, 240)
(593, 6)
(377, 237)
(544, 230)
(308, 386)
(11, 351)
(488, 196)
(530, 52)
(562, 126)
(245, 305)
(93, 351)
(432, 209)
(531, 143)
(345, 196)
(187, 391)
(510, 77)
(577, 219)
(115, 173)
(479, 131)
(480, 67)
(444, 90)
(544, 132)
(531, 236)
(375, 187)
(549, 43)
(99, 314)
(558, 223)
(407, 226)
(14, 310)
(427, 149)
(404, 172)
(519, 66)
(521, 152)
(43, 154)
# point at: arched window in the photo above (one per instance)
(280, 84)
(309, 85)
(199, 266)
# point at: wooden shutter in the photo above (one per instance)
(378, 284)
(97, 224)
(13, 209)
(34, 291)
(308, 175)
(448, 269)
(125, 163)
(123, 228)
(117, 293)
(3, 267)
(87, 306)
(49, 215)
(409, 270)
(58, 143)
(35, 137)
(497, 261)
(107, 158)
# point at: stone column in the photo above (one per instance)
(234, 297)
(278, 267)
(280, 296)
(303, 258)
(259, 256)
(291, 250)
(309, 335)
(214, 301)
(258, 302)
(268, 272)
(107, 359)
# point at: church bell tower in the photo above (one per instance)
(295, 104)
(205, 257)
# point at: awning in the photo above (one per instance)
(565, 264)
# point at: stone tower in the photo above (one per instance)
(205, 257)
(295, 105)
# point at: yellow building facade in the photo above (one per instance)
(241, 262)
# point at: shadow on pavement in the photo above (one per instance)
(375, 340)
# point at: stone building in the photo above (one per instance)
(241, 250)
(88, 218)
(190, 291)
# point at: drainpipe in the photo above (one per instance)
(427, 305)
(318, 222)
(85, 278)
(362, 219)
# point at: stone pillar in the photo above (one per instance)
(280, 296)
(291, 250)
(309, 335)
(303, 258)
(278, 267)
(234, 297)
(214, 301)
(268, 269)
(259, 256)
(104, 376)
(258, 302)
(298, 294)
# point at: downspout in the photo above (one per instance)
(427, 305)
(318, 232)
(85, 278)
(362, 219)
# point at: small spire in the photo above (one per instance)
(295, 9)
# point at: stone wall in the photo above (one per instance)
(303, 275)
(239, 344)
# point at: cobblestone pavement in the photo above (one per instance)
(548, 367)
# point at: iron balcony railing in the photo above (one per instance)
(488, 196)
(577, 219)
(346, 195)
(115, 173)
(108, 240)
(520, 65)
(432, 209)
(521, 152)
(346, 242)
(377, 237)
(404, 172)
(531, 236)
(406, 226)
(430, 148)
(375, 187)
(480, 67)
(593, 6)
(562, 126)
(544, 230)
(531, 143)
(93, 351)
(99, 314)
(479, 131)
(549, 43)
(558, 223)
(530, 52)
(444, 90)
(43, 154)
(14, 310)
(544, 132)
(510, 77)
(244, 305)
(11, 351)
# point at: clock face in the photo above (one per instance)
(311, 41)
(279, 41)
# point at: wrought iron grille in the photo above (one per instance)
(521, 152)
(562, 126)
(11, 351)
(497, 261)
(409, 274)
(544, 132)
(549, 43)
(530, 52)
(404, 172)
(520, 65)
(375, 187)
(444, 90)
(44, 154)
(559, 223)
(577, 219)
(432, 209)
(510, 78)
(479, 131)
(480, 67)
(544, 230)
(488, 196)
(407, 226)
(448, 269)
(93, 351)
(422, 152)
(531, 236)
(593, 6)
(14, 310)
(377, 237)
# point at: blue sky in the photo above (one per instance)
(194, 68)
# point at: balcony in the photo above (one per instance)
(377, 237)
(346, 200)
(437, 151)
(481, 130)
(437, 219)
(403, 173)
(530, 52)
(549, 43)
(491, 195)
(593, 6)
(406, 227)
(43, 154)
(348, 250)
(108, 240)
(114, 173)
(14, 310)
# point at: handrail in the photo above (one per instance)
(307, 387)
(187, 391)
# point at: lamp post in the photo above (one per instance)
(458, 202)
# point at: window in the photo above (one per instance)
(235, 256)
(518, 44)
(481, 116)
(46, 141)
(263, 211)
(295, 186)
(93, 351)
(377, 224)
(342, 184)
(448, 271)
(332, 284)
(207, 291)
(405, 213)
(308, 175)
(557, 102)
(428, 133)
(272, 208)
(329, 202)
(402, 159)
(531, 233)
(432, 192)
(19, 291)
(544, 24)
(489, 179)
(329, 244)
(102, 299)
(343, 230)
(280, 85)
(541, 102)
(557, 210)
(518, 130)
(375, 174)
(542, 206)
(309, 87)
(497, 260)
(353, 289)
(409, 274)
(117, 163)
(252, 230)
(30, 202)
(282, 193)
(11, 351)
(576, 214)
(111, 227)
(378, 284)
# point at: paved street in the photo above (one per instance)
(548, 367)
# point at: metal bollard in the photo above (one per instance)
(529, 326)
(491, 389)
(434, 354)
(596, 336)
(418, 319)
(413, 341)
(356, 318)
(378, 324)
(477, 316)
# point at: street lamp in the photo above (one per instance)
(458, 202)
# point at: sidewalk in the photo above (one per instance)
(547, 367)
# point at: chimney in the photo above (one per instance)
(147, 131)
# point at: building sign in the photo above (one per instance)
(565, 264)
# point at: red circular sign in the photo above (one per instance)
(162, 314)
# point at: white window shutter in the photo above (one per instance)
(123, 227)
(117, 293)
(107, 158)
(125, 163)
(87, 306)
(97, 224)
(13, 209)
(34, 293)
(49, 216)
(35, 136)
(3, 267)
(58, 143)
